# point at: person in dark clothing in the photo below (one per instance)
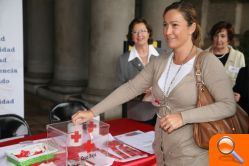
(241, 88)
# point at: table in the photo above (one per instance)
(117, 126)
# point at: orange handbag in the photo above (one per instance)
(238, 123)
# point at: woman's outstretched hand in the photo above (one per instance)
(82, 116)
(171, 122)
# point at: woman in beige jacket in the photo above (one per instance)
(173, 83)
(221, 35)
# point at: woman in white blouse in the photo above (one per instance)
(129, 64)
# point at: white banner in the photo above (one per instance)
(11, 57)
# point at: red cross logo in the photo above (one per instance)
(89, 146)
(76, 136)
(91, 126)
(113, 144)
(23, 153)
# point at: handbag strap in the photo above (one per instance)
(202, 91)
(198, 76)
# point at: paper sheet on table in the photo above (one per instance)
(142, 141)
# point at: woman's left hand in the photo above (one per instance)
(171, 122)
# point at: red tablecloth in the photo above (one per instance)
(118, 126)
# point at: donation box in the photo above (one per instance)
(85, 144)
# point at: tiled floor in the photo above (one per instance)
(37, 113)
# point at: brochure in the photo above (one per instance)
(139, 140)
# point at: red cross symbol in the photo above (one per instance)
(89, 146)
(91, 126)
(113, 144)
(23, 153)
(76, 136)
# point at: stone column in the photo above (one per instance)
(203, 22)
(202, 9)
(244, 22)
(71, 46)
(38, 28)
(109, 26)
(152, 11)
(220, 11)
(238, 18)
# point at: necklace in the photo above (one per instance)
(173, 79)
(220, 57)
(165, 105)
